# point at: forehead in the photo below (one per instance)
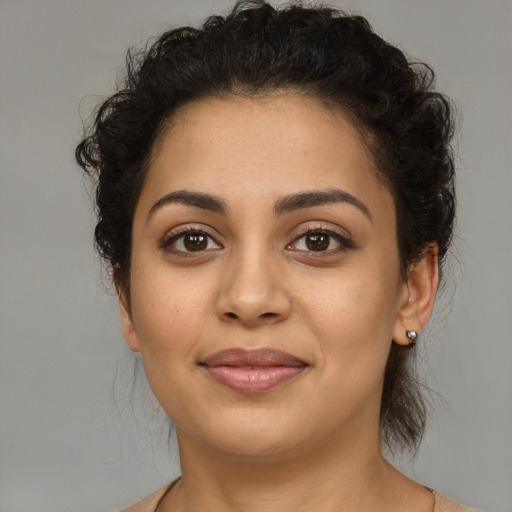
(261, 147)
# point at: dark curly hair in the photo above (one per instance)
(318, 51)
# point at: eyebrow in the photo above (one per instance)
(195, 199)
(309, 199)
(286, 204)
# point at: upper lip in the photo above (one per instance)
(252, 357)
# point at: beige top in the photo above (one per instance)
(149, 504)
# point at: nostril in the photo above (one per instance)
(231, 315)
(268, 315)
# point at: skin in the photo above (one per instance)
(256, 284)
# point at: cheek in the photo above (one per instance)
(168, 316)
(168, 310)
(352, 315)
(351, 301)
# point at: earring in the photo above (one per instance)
(412, 336)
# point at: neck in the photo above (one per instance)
(341, 476)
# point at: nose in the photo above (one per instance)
(253, 292)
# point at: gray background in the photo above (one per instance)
(73, 433)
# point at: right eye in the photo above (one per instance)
(191, 241)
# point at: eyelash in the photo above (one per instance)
(180, 233)
(343, 241)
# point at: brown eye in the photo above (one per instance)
(329, 242)
(317, 241)
(195, 241)
(190, 242)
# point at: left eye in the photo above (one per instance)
(318, 241)
(192, 241)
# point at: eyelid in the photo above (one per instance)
(342, 236)
(178, 231)
(322, 226)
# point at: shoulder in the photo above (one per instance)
(149, 503)
(446, 504)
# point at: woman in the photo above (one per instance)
(275, 199)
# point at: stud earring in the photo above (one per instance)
(412, 336)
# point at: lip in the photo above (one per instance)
(253, 371)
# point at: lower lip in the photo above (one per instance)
(255, 379)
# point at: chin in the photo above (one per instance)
(247, 433)
(259, 446)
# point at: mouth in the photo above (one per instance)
(253, 371)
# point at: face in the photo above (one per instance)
(265, 277)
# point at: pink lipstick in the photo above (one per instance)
(253, 371)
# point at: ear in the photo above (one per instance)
(418, 295)
(125, 309)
